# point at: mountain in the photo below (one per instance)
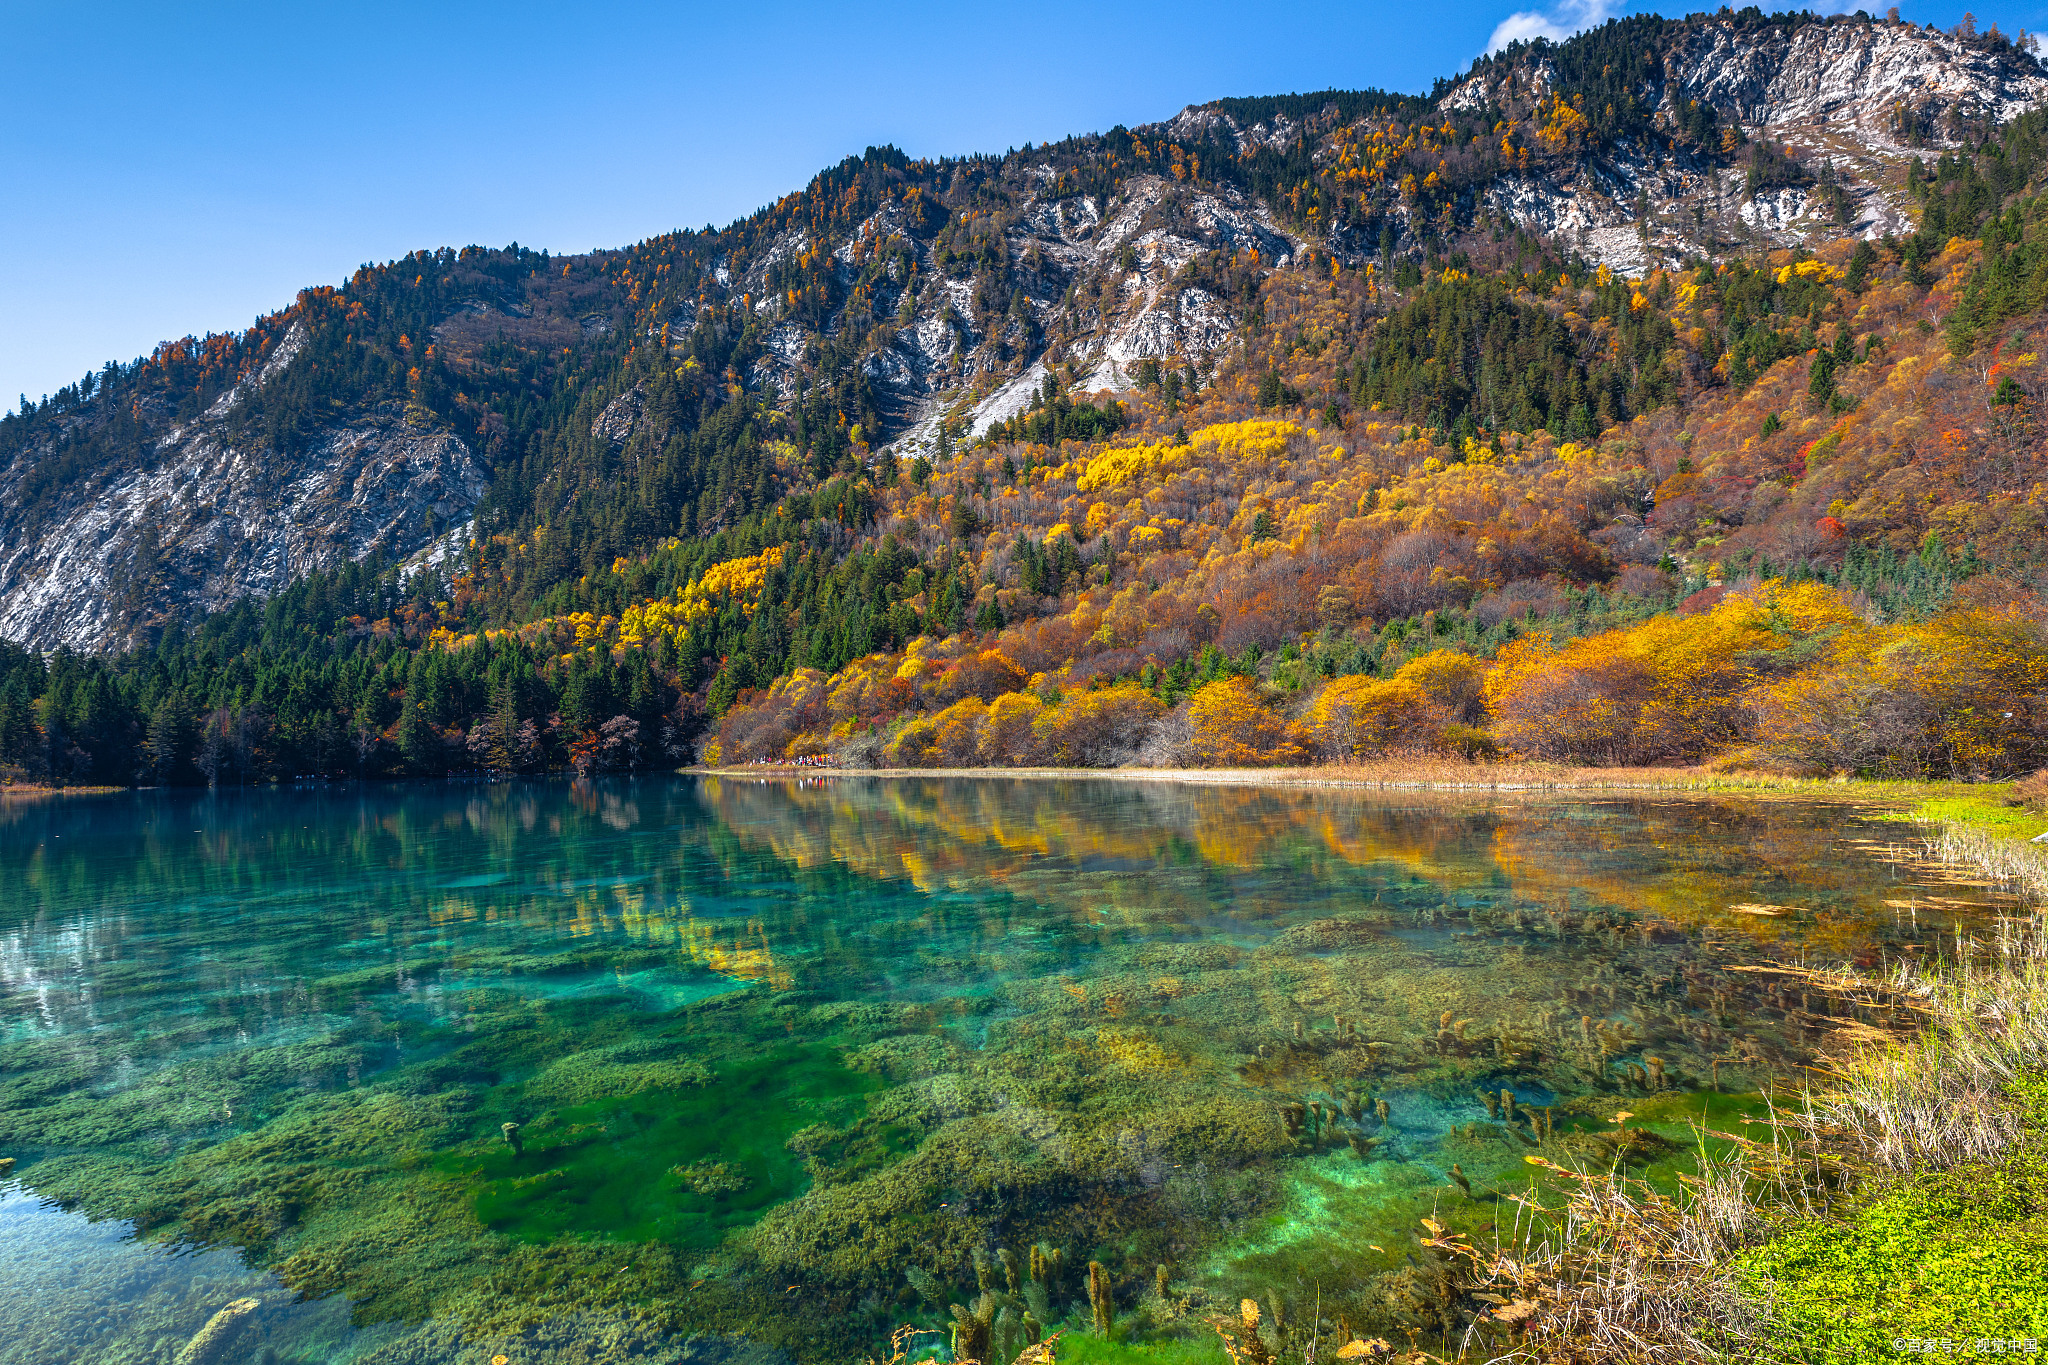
(929, 292)
(873, 405)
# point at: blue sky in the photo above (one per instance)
(174, 169)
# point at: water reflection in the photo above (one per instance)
(768, 1046)
(75, 1292)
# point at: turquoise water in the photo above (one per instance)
(791, 1062)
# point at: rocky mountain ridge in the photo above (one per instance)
(957, 294)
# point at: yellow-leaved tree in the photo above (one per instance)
(1671, 688)
(1094, 729)
(1963, 696)
(1234, 729)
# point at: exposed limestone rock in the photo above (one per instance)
(200, 521)
(615, 423)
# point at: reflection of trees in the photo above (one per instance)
(1254, 852)
(115, 909)
(230, 909)
(1687, 862)
(1246, 852)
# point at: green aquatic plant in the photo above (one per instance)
(972, 1327)
(623, 1069)
(1101, 1298)
(927, 1286)
(610, 1167)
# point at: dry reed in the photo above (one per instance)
(1620, 1272)
(1941, 1100)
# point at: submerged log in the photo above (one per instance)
(206, 1347)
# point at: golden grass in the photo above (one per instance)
(1619, 1272)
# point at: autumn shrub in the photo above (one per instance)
(1670, 688)
(1454, 683)
(1964, 696)
(1007, 738)
(1410, 712)
(1469, 742)
(985, 675)
(1580, 706)
(1361, 717)
(957, 731)
(915, 745)
(763, 728)
(1095, 728)
(1233, 728)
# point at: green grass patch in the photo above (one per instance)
(1951, 1257)
(1984, 809)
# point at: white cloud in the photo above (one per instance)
(1557, 23)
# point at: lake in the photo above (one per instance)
(704, 1069)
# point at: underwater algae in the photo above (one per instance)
(796, 1062)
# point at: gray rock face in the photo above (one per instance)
(1830, 93)
(202, 522)
(615, 424)
(1108, 280)
(1847, 77)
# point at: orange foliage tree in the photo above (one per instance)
(1234, 729)
(1674, 687)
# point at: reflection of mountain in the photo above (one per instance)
(1147, 852)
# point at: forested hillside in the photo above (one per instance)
(1290, 429)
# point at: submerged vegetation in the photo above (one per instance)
(810, 1062)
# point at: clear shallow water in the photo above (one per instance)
(772, 1044)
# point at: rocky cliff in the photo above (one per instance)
(201, 521)
(1858, 98)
